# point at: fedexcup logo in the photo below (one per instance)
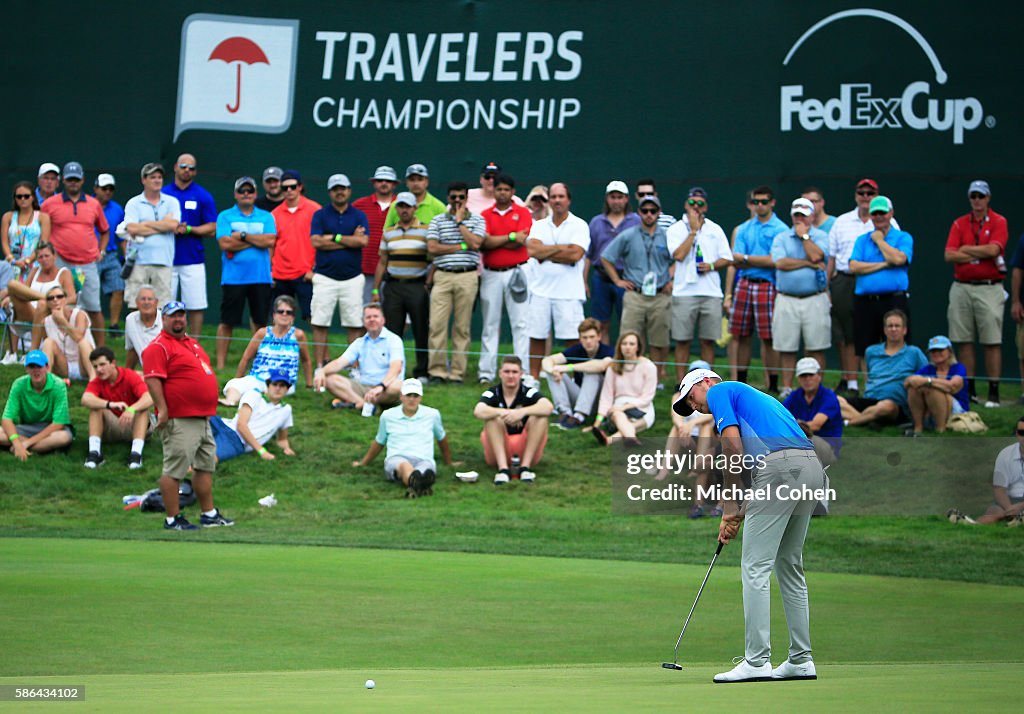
(858, 107)
(236, 73)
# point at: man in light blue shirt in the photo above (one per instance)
(889, 364)
(760, 435)
(380, 356)
(802, 307)
(149, 221)
(754, 299)
(409, 431)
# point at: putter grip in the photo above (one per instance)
(720, 546)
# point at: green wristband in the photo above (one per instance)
(14, 437)
(130, 409)
(262, 450)
(464, 245)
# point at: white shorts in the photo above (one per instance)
(346, 294)
(248, 383)
(807, 317)
(192, 279)
(566, 314)
(75, 371)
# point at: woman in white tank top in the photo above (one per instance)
(69, 338)
(27, 298)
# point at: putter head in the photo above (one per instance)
(671, 665)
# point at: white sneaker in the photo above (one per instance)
(745, 672)
(991, 405)
(500, 478)
(9, 359)
(789, 670)
(785, 392)
(527, 475)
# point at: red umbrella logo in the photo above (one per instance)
(240, 50)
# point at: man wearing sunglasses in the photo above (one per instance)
(646, 187)
(754, 300)
(198, 221)
(645, 258)
(149, 222)
(975, 247)
(843, 234)
(246, 235)
(75, 220)
(292, 264)
(700, 248)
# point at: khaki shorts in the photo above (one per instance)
(188, 441)
(114, 430)
(649, 316)
(806, 317)
(688, 312)
(976, 310)
(346, 294)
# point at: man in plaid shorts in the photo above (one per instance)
(755, 289)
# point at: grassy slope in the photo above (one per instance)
(567, 513)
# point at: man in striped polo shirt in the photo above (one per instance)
(403, 269)
(454, 240)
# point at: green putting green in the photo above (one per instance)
(243, 627)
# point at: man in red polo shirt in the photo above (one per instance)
(76, 219)
(184, 390)
(118, 404)
(291, 265)
(975, 247)
(376, 206)
(503, 251)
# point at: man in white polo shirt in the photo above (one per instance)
(557, 291)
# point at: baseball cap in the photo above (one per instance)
(384, 173)
(291, 174)
(807, 365)
(538, 190)
(490, 168)
(692, 377)
(619, 186)
(880, 203)
(152, 168)
(47, 167)
(338, 180)
(979, 186)
(939, 342)
(172, 307)
(36, 358)
(650, 199)
(696, 192)
(272, 172)
(802, 206)
(868, 182)
(279, 375)
(412, 386)
(405, 197)
(105, 180)
(417, 170)
(73, 169)
(699, 364)
(245, 180)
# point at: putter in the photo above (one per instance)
(674, 664)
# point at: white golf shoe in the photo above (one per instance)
(790, 670)
(745, 672)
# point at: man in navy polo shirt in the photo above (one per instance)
(881, 262)
(245, 234)
(816, 408)
(757, 430)
(339, 233)
(198, 221)
(111, 282)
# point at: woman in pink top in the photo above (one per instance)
(627, 395)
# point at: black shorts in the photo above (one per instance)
(233, 299)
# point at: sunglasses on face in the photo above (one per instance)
(977, 196)
(51, 298)
(22, 196)
(289, 186)
(695, 202)
(760, 201)
(539, 198)
(246, 191)
(866, 192)
(187, 167)
(649, 211)
(285, 312)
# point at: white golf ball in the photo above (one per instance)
(370, 684)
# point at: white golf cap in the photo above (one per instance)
(406, 197)
(807, 365)
(694, 376)
(105, 180)
(619, 186)
(412, 386)
(338, 180)
(47, 167)
(802, 206)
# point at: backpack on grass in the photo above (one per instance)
(153, 502)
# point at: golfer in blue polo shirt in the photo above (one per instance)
(787, 481)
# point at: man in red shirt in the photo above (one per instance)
(503, 251)
(376, 206)
(975, 247)
(76, 219)
(118, 404)
(292, 261)
(184, 391)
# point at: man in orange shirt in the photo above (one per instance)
(292, 262)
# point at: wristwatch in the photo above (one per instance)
(242, 236)
(806, 237)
